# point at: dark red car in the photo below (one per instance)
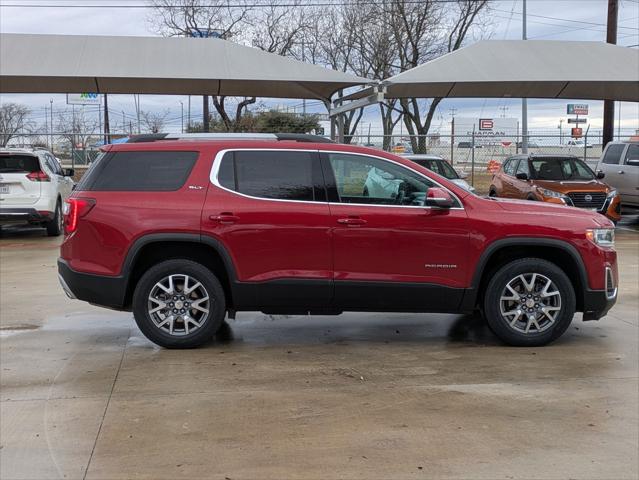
(185, 231)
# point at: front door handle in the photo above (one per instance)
(621, 172)
(351, 221)
(225, 218)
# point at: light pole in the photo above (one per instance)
(524, 102)
(188, 121)
(182, 114)
(561, 132)
(51, 122)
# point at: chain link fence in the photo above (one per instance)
(474, 155)
(71, 149)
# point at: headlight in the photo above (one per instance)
(604, 237)
(612, 193)
(550, 193)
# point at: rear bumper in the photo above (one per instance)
(23, 215)
(100, 290)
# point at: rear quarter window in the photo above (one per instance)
(141, 171)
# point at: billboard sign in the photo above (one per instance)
(205, 33)
(577, 120)
(577, 109)
(488, 131)
(83, 99)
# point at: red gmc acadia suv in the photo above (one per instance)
(183, 231)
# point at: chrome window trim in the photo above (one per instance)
(215, 168)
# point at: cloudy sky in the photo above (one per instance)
(547, 19)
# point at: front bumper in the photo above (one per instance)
(597, 303)
(99, 290)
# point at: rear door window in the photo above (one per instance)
(277, 175)
(613, 153)
(633, 152)
(142, 171)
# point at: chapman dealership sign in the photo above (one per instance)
(486, 130)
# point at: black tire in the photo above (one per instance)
(212, 288)
(498, 285)
(492, 193)
(531, 198)
(54, 226)
(365, 192)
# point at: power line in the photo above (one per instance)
(121, 5)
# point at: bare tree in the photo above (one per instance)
(154, 122)
(76, 128)
(422, 32)
(195, 18)
(13, 121)
(272, 28)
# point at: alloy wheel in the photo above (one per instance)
(530, 303)
(178, 304)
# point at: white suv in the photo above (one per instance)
(33, 188)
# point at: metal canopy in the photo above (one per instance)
(525, 69)
(158, 65)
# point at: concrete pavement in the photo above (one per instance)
(85, 395)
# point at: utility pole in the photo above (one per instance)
(136, 100)
(609, 105)
(205, 113)
(123, 123)
(46, 122)
(453, 112)
(107, 129)
(524, 101)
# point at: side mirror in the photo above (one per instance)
(522, 176)
(69, 172)
(600, 174)
(463, 175)
(439, 198)
(633, 162)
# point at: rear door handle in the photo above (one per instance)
(351, 221)
(225, 218)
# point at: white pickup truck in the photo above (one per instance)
(33, 188)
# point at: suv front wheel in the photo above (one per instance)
(529, 302)
(179, 304)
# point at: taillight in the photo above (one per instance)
(38, 176)
(76, 208)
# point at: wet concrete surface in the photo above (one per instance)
(85, 395)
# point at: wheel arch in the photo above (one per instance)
(500, 252)
(150, 249)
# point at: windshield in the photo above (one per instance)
(19, 164)
(560, 169)
(439, 166)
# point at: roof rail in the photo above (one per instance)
(296, 137)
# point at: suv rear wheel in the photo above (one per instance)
(179, 304)
(55, 225)
(529, 302)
